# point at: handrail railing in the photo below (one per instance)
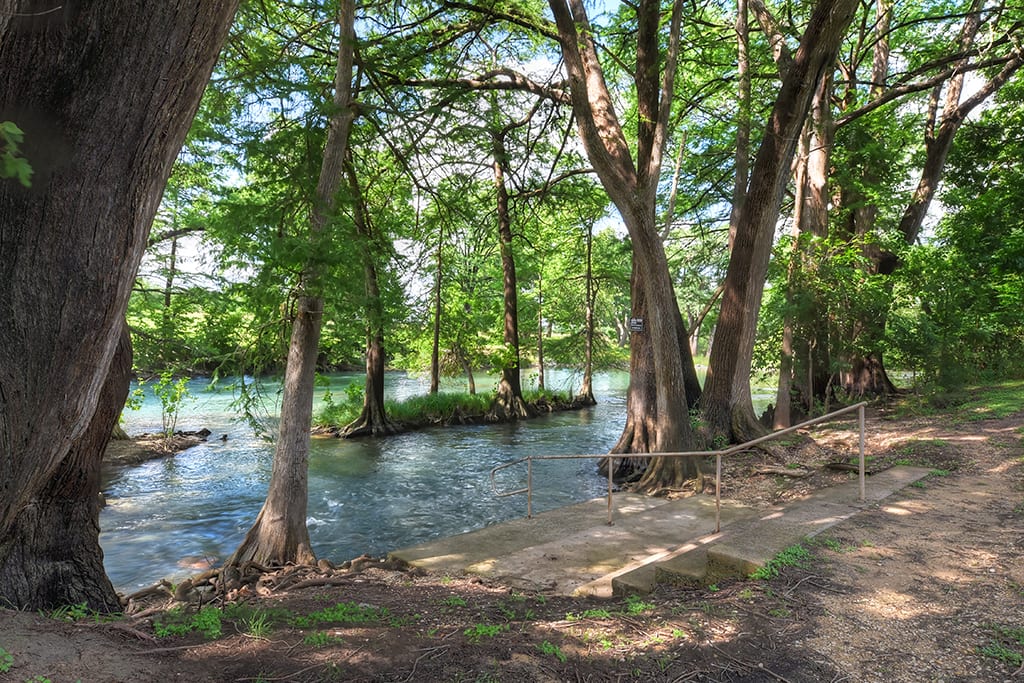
(528, 489)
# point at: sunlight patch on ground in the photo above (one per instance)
(892, 604)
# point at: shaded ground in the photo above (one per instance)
(927, 586)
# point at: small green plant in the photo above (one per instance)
(636, 605)
(794, 556)
(714, 588)
(1007, 645)
(258, 625)
(550, 649)
(455, 601)
(476, 632)
(746, 594)
(69, 612)
(779, 612)
(589, 614)
(1002, 653)
(172, 394)
(342, 613)
(6, 661)
(321, 639)
(38, 679)
(177, 623)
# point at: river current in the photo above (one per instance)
(168, 517)
(173, 516)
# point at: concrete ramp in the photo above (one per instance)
(572, 550)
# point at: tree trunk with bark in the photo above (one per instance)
(657, 414)
(727, 406)
(435, 348)
(373, 420)
(804, 363)
(865, 374)
(585, 396)
(508, 402)
(51, 555)
(105, 93)
(279, 535)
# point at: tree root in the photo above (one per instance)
(234, 583)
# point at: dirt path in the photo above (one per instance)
(927, 586)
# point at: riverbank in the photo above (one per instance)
(441, 410)
(140, 448)
(925, 586)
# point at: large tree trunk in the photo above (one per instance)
(279, 535)
(804, 364)
(658, 379)
(105, 93)
(508, 402)
(727, 405)
(51, 555)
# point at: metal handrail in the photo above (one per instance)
(528, 489)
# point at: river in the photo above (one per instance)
(171, 516)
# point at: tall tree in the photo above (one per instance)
(279, 534)
(661, 367)
(105, 93)
(726, 405)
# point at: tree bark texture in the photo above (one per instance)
(585, 396)
(105, 93)
(727, 406)
(508, 402)
(804, 363)
(373, 419)
(657, 382)
(279, 534)
(51, 555)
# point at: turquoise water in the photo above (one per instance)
(168, 516)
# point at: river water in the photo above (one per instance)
(165, 517)
(172, 516)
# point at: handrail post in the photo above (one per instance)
(529, 487)
(611, 463)
(718, 492)
(860, 420)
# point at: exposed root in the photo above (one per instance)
(234, 583)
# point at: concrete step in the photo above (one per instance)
(573, 551)
(456, 553)
(751, 545)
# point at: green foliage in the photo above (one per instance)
(637, 605)
(589, 614)
(259, 625)
(477, 632)
(12, 164)
(341, 613)
(178, 622)
(794, 556)
(549, 648)
(6, 661)
(455, 601)
(172, 394)
(321, 639)
(1006, 644)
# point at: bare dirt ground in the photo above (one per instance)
(926, 586)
